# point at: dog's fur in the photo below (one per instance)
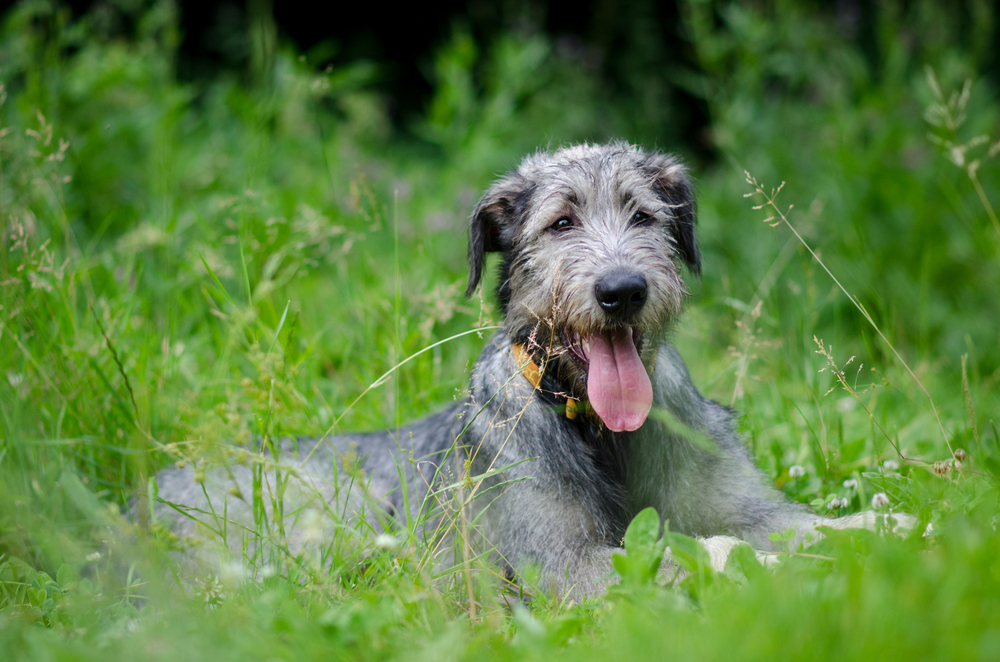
(570, 225)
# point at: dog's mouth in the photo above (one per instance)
(578, 346)
(618, 385)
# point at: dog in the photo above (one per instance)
(579, 414)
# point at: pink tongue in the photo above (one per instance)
(617, 383)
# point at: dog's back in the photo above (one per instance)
(320, 487)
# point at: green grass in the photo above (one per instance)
(185, 267)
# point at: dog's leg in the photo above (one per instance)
(551, 537)
(701, 478)
(869, 520)
(692, 466)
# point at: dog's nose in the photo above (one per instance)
(621, 293)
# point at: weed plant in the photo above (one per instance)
(191, 272)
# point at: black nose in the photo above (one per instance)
(621, 293)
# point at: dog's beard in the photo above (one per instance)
(605, 367)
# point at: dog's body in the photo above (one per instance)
(593, 239)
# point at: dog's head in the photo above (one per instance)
(593, 238)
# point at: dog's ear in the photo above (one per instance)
(674, 187)
(493, 222)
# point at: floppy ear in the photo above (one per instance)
(674, 188)
(493, 223)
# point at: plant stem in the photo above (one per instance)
(857, 304)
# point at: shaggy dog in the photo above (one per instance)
(580, 413)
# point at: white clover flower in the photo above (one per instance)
(890, 465)
(851, 483)
(836, 503)
(942, 467)
(212, 591)
(796, 471)
(880, 500)
(92, 557)
(386, 541)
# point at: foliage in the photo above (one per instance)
(188, 268)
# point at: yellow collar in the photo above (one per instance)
(531, 372)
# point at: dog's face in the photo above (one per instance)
(593, 239)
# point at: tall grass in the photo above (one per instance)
(191, 272)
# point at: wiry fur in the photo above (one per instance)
(570, 487)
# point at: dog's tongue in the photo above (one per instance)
(617, 384)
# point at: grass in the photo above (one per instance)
(188, 269)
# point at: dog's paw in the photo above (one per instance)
(719, 548)
(769, 559)
(870, 520)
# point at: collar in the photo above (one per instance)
(532, 373)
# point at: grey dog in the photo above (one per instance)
(580, 413)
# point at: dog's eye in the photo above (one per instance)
(642, 218)
(564, 223)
